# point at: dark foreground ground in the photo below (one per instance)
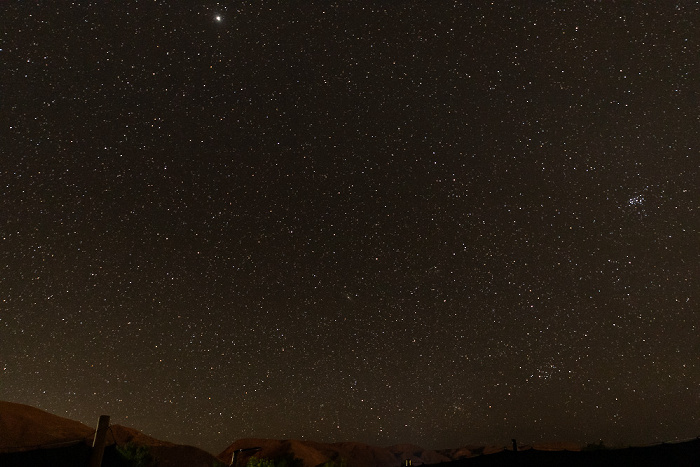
(67, 456)
(77, 455)
(675, 454)
(672, 455)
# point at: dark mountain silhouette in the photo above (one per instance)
(314, 454)
(24, 427)
(32, 434)
(29, 437)
(681, 454)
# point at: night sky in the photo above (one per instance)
(432, 222)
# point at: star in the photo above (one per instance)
(218, 18)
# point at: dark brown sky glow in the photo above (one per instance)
(431, 222)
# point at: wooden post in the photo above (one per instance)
(98, 444)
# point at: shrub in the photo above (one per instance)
(257, 462)
(137, 455)
(286, 461)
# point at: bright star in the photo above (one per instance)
(218, 18)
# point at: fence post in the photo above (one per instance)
(98, 444)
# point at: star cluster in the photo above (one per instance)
(385, 222)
